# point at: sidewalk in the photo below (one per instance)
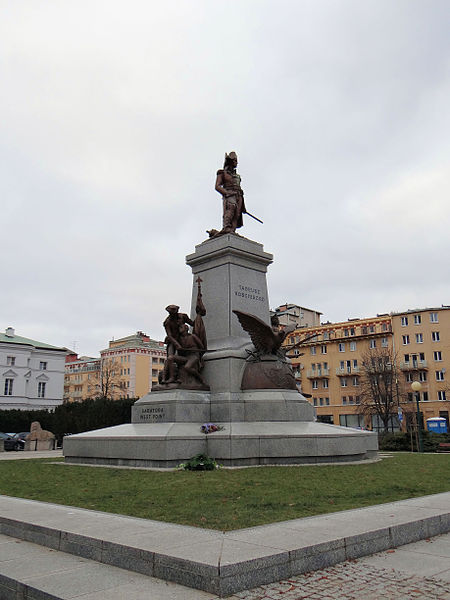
(220, 563)
(21, 454)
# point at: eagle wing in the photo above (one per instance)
(260, 333)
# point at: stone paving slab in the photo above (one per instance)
(32, 572)
(224, 563)
(380, 577)
(27, 454)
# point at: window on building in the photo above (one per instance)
(406, 357)
(378, 425)
(419, 338)
(405, 340)
(326, 335)
(435, 337)
(425, 396)
(355, 380)
(437, 355)
(439, 375)
(327, 401)
(341, 347)
(10, 361)
(372, 328)
(315, 384)
(421, 355)
(373, 344)
(364, 330)
(8, 390)
(408, 377)
(343, 381)
(325, 383)
(323, 349)
(404, 321)
(352, 346)
(351, 420)
(434, 317)
(315, 401)
(417, 319)
(42, 366)
(41, 389)
(344, 400)
(352, 331)
(441, 395)
(384, 327)
(422, 375)
(345, 332)
(321, 401)
(313, 350)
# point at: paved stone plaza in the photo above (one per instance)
(47, 551)
(390, 575)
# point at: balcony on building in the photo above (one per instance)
(413, 365)
(317, 373)
(347, 371)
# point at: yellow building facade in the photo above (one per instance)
(129, 367)
(80, 378)
(330, 367)
(422, 347)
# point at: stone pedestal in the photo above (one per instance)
(259, 426)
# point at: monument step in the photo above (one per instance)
(216, 562)
(33, 572)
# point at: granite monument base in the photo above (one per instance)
(166, 445)
(258, 427)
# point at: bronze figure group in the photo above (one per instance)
(185, 349)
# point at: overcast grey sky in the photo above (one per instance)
(116, 115)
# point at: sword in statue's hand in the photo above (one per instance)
(253, 217)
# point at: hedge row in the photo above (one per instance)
(402, 441)
(73, 417)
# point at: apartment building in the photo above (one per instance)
(299, 316)
(128, 368)
(81, 377)
(139, 360)
(32, 373)
(331, 366)
(422, 346)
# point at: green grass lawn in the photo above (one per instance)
(227, 499)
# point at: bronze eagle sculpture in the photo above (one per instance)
(266, 339)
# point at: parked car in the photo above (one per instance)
(9, 442)
(20, 439)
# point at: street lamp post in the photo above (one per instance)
(416, 386)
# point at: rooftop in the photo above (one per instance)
(9, 337)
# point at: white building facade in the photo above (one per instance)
(32, 373)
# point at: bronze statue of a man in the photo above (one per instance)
(228, 183)
(188, 358)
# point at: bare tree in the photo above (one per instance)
(108, 380)
(381, 386)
